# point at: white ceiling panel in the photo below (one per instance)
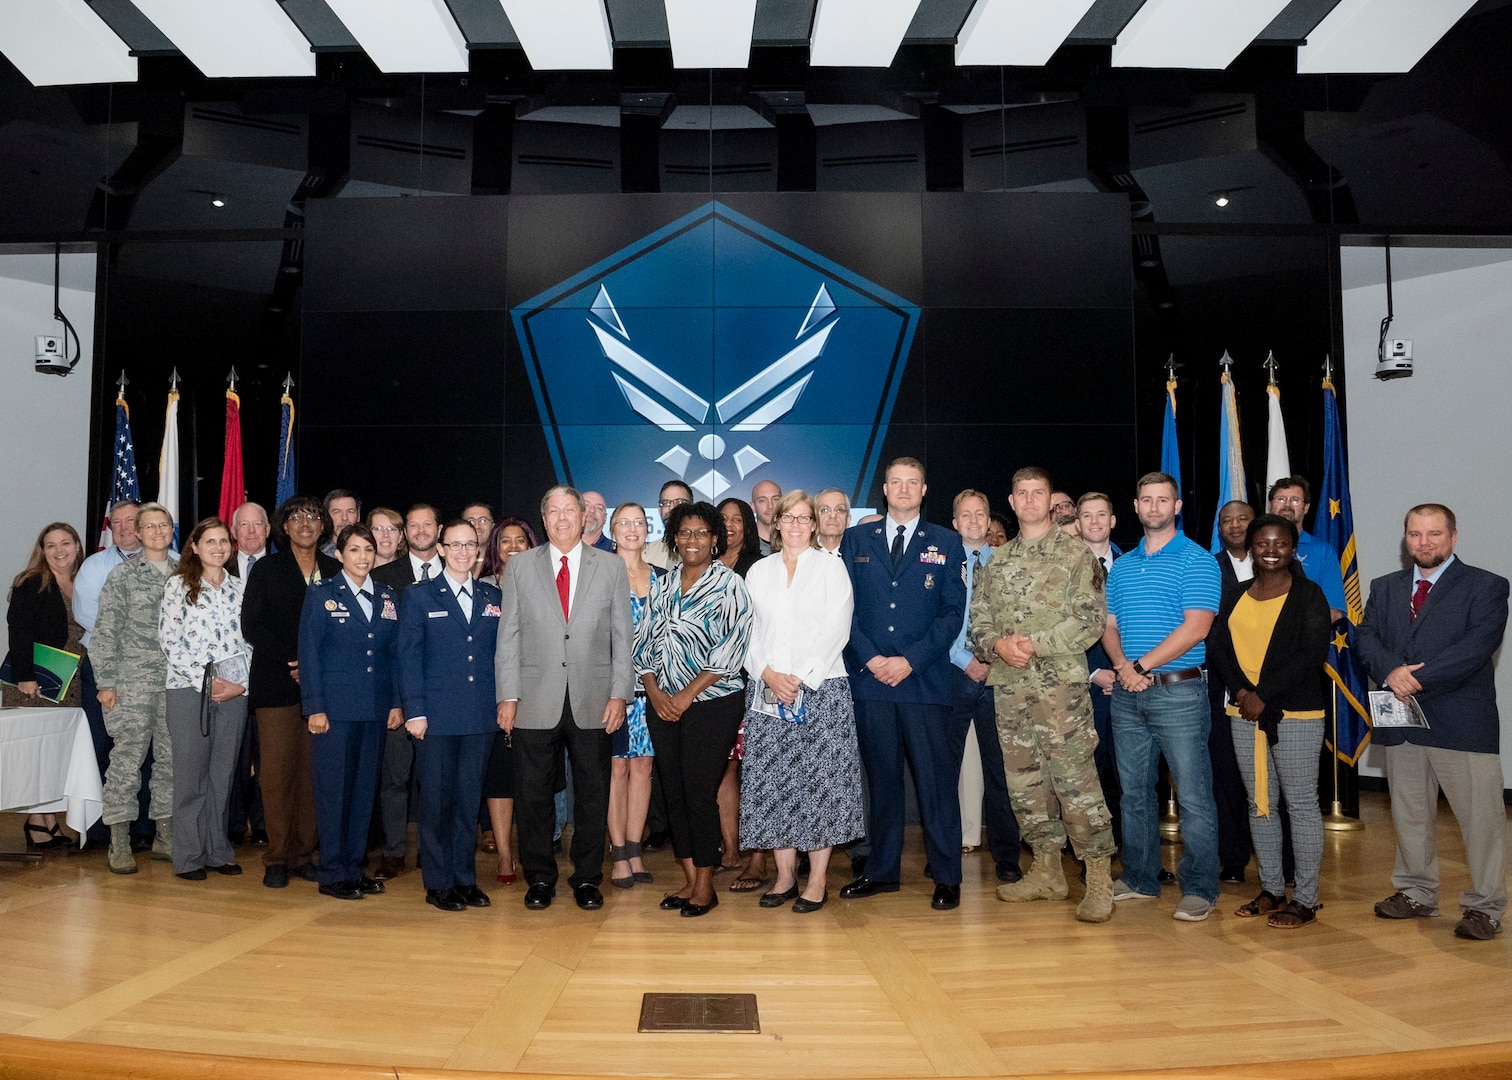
(859, 33)
(711, 33)
(233, 39)
(405, 35)
(563, 35)
(1192, 33)
(60, 42)
(1017, 32)
(1368, 36)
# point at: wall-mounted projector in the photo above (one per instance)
(52, 355)
(1394, 359)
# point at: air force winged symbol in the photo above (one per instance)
(760, 401)
(677, 357)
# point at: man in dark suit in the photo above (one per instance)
(564, 679)
(422, 530)
(1235, 567)
(249, 525)
(910, 590)
(1095, 518)
(1429, 634)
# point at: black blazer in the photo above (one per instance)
(1291, 676)
(271, 605)
(399, 574)
(34, 617)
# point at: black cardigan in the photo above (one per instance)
(35, 617)
(1291, 677)
(271, 605)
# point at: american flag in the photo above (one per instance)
(123, 482)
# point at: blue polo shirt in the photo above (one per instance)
(1150, 594)
(1320, 562)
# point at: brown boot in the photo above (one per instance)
(1097, 905)
(1046, 880)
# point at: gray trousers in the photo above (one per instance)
(394, 790)
(1473, 785)
(137, 723)
(202, 769)
(1291, 768)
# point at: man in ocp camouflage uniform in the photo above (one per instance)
(132, 675)
(1036, 608)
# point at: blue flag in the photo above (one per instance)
(1334, 522)
(1170, 455)
(1231, 482)
(285, 451)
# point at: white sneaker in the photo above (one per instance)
(1192, 909)
(1121, 891)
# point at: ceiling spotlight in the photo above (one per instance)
(1222, 200)
(222, 202)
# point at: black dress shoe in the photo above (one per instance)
(673, 902)
(472, 896)
(307, 872)
(1165, 877)
(445, 899)
(276, 877)
(777, 899)
(342, 890)
(369, 886)
(863, 887)
(193, 875)
(946, 897)
(538, 896)
(1009, 874)
(259, 838)
(691, 910)
(229, 869)
(1233, 874)
(588, 897)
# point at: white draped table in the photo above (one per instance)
(47, 765)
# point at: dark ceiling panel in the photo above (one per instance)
(132, 27)
(319, 23)
(639, 23)
(1298, 19)
(1104, 21)
(937, 22)
(483, 23)
(783, 22)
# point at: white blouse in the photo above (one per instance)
(194, 636)
(799, 628)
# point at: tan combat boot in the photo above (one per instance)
(162, 843)
(1097, 905)
(119, 857)
(1046, 880)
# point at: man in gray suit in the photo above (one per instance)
(565, 677)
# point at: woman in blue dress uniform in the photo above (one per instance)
(447, 630)
(348, 630)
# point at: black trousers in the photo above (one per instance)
(691, 755)
(537, 761)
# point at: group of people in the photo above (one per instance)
(763, 679)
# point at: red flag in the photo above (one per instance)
(233, 488)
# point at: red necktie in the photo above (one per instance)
(1419, 595)
(564, 586)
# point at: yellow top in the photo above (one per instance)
(1251, 624)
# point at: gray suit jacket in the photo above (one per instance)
(541, 657)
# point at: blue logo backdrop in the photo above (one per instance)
(719, 352)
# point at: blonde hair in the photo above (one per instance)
(785, 506)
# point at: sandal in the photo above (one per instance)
(1292, 915)
(632, 850)
(745, 883)
(44, 837)
(621, 855)
(725, 868)
(1263, 904)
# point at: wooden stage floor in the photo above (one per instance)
(876, 988)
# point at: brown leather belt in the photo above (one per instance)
(1165, 678)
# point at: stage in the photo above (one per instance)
(884, 987)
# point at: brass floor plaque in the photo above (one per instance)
(726, 1014)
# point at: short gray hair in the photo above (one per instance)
(562, 489)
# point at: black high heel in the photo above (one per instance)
(52, 838)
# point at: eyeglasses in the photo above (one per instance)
(631, 523)
(693, 534)
(796, 519)
(385, 528)
(667, 504)
(834, 511)
(304, 516)
(480, 520)
(461, 545)
(1288, 500)
(155, 526)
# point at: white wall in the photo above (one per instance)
(1445, 434)
(44, 420)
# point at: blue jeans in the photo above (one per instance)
(1171, 720)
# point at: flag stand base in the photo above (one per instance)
(1337, 821)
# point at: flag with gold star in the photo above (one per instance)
(1349, 695)
(1334, 522)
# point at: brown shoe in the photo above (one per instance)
(388, 868)
(1477, 926)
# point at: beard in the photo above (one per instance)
(1432, 561)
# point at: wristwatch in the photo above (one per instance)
(1139, 669)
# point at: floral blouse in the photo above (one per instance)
(680, 636)
(194, 636)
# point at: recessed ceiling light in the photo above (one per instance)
(222, 202)
(1222, 200)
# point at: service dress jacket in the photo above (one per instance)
(348, 664)
(446, 672)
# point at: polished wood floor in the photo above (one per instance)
(876, 988)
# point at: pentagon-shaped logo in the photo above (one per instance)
(718, 352)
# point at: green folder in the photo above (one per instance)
(55, 671)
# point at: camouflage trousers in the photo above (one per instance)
(1046, 731)
(139, 721)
